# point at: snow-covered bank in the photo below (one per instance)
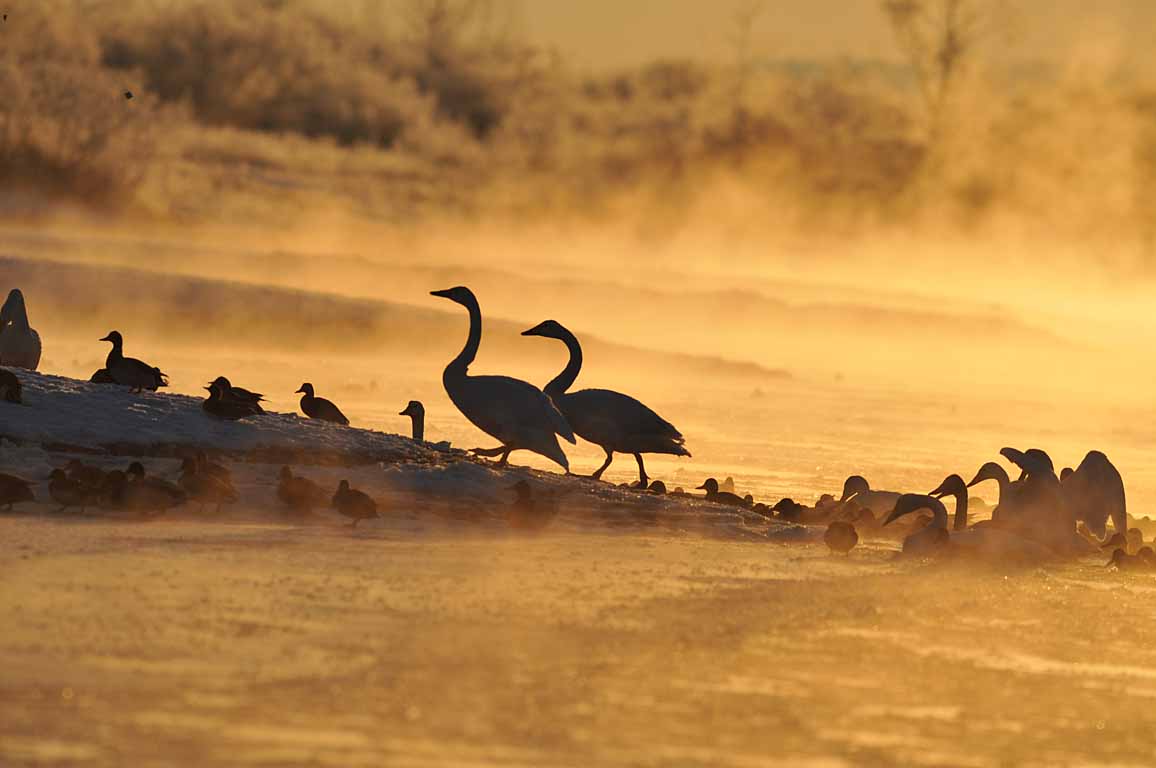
(67, 414)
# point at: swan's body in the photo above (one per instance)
(1095, 493)
(984, 542)
(611, 420)
(514, 412)
(130, 372)
(879, 502)
(19, 342)
(319, 408)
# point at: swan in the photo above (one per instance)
(514, 412)
(318, 407)
(953, 485)
(19, 342)
(610, 420)
(130, 372)
(1005, 504)
(416, 412)
(1095, 493)
(879, 502)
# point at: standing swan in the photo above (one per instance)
(19, 343)
(514, 412)
(610, 420)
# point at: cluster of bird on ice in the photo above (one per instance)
(1039, 516)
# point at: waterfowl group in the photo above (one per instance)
(19, 342)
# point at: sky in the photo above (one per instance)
(613, 33)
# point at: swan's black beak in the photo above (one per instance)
(535, 331)
(445, 293)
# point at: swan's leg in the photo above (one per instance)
(609, 458)
(489, 453)
(642, 478)
(505, 457)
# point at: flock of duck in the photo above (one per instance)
(1039, 515)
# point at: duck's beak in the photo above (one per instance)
(701, 487)
(106, 338)
(298, 392)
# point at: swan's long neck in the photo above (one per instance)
(564, 380)
(418, 425)
(940, 512)
(1004, 487)
(960, 522)
(459, 366)
(15, 313)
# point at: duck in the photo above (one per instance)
(300, 494)
(529, 513)
(353, 504)
(221, 406)
(144, 493)
(69, 493)
(720, 497)
(203, 486)
(841, 537)
(319, 408)
(416, 412)
(19, 342)
(101, 376)
(514, 412)
(880, 502)
(89, 477)
(136, 474)
(658, 488)
(130, 372)
(14, 490)
(611, 420)
(238, 394)
(790, 511)
(10, 389)
(219, 471)
(1144, 560)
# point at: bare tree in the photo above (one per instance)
(938, 38)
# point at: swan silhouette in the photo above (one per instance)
(19, 342)
(514, 412)
(610, 420)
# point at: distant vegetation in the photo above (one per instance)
(430, 107)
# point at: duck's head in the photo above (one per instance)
(221, 382)
(459, 295)
(343, 486)
(136, 469)
(306, 389)
(286, 473)
(56, 474)
(522, 488)
(658, 487)
(854, 484)
(414, 409)
(952, 485)
(989, 471)
(787, 506)
(115, 338)
(710, 486)
(550, 329)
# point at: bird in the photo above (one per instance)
(930, 540)
(14, 490)
(238, 394)
(299, 494)
(841, 537)
(203, 486)
(416, 412)
(219, 405)
(728, 485)
(992, 471)
(528, 512)
(91, 478)
(880, 502)
(720, 497)
(10, 389)
(150, 494)
(219, 471)
(19, 342)
(1144, 560)
(658, 488)
(611, 420)
(130, 372)
(514, 412)
(791, 511)
(953, 485)
(101, 376)
(353, 503)
(320, 408)
(1095, 493)
(69, 493)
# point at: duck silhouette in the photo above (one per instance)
(354, 504)
(130, 372)
(319, 408)
(10, 389)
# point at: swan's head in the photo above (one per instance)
(460, 295)
(115, 337)
(908, 503)
(550, 329)
(855, 484)
(414, 409)
(710, 486)
(13, 308)
(989, 471)
(1033, 461)
(952, 485)
(306, 389)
